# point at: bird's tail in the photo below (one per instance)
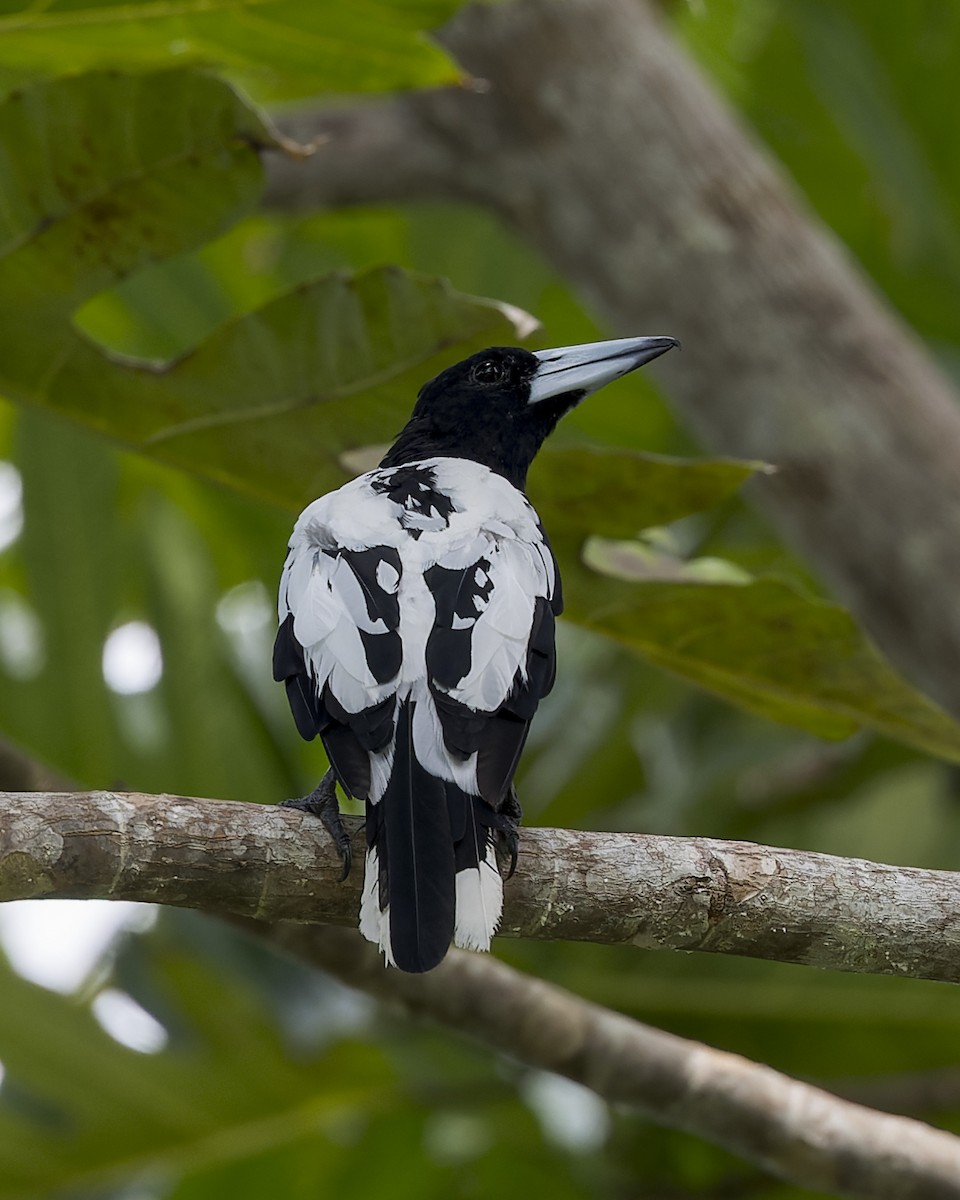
(431, 872)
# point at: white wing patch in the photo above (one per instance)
(329, 611)
(497, 601)
(431, 751)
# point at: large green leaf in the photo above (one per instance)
(761, 643)
(101, 175)
(275, 48)
(151, 166)
(272, 400)
(619, 492)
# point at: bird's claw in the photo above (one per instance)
(512, 843)
(322, 803)
(507, 826)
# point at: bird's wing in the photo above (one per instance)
(338, 648)
(490, 656)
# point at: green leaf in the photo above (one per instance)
(277, 49)
(759, 642)
(619, 492)
(646, 561)
(272, 402)
(151, 166)
(64, 487)
(100, 176)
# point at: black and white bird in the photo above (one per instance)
(416, 638)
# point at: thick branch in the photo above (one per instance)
(652, 892)
(793, 1130)
(600, 143)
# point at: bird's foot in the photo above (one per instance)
(507, 826)
(322, 803)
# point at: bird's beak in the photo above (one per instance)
(588, 367)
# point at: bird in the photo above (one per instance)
(416, 639)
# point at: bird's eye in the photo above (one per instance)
(488, 371)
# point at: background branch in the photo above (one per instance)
(698, 234)
(796, 1131)
(642, 890)
(912, 1093)
(20, 773)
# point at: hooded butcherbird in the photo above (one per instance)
(416, 638)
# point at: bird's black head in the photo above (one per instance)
(497, 406)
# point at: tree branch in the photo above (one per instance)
(601, 144)
(635, 889)
(793, 1130)
(911, 1093)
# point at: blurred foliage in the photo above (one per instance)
(253, 360)
(278, 402)
(274, 49)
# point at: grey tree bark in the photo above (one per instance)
(617, 889)
(598, 141)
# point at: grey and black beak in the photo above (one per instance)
(586, 368)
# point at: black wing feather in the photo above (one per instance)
(289, 668)
(496, 737)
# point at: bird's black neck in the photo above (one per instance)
(506, 442)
